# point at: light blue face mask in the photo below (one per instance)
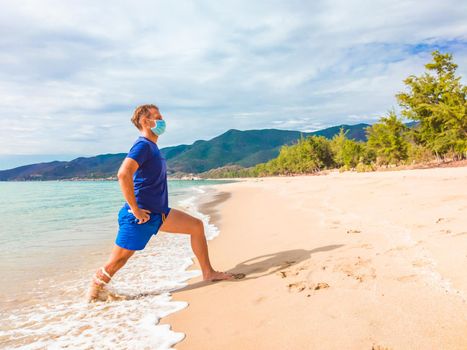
(159, 128)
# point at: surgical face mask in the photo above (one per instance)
(159, 128)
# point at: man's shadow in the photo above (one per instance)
(264, 265)
(260, 266)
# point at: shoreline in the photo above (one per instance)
(210, 206)
(374, 256)
(207, 204)
(59, 298)
(165, 263)
(194, 177)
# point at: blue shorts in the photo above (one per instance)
(134, 236)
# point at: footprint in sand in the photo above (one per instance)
(297, 286)
(290, 272)
(321, 285)
(302, 285)
(353, 231)
(379, 347)
(440, 220)
(360, 269)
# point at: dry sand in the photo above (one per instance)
(340, 261)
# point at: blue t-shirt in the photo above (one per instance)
(150, 179)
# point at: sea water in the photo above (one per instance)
(53, 237)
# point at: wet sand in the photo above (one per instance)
(341, 261)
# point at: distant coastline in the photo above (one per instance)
(113, 178)
(183, 177)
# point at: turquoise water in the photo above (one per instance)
(55, 234)
(47, 226)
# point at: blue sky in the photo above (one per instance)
(72, 72)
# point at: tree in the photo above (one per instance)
(308, 155)
(387, 140)
(346, 152)
(438, 101)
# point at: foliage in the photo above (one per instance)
(387, 140)
(229, 171)
(308, 155)
(438, 101)
(361, 167)
(418, 154)
(436, 104)
(347, 153)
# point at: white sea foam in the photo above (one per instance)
(62, 319)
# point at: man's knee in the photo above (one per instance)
(198, 226)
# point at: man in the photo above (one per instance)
(143, 181)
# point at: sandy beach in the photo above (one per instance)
(338, 261)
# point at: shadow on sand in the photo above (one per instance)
(253, 268)
(264, 265)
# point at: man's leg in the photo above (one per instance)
(118, 258)
(179, 222)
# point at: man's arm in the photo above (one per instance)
(125, 179)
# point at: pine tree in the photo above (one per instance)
(438, 101)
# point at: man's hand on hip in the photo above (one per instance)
(141, 214)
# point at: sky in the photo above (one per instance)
(72, 72)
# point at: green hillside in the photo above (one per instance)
(234, 147)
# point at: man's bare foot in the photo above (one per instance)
(97, 290)
(101, 293)
(96, 293)
(221, 276)
(218, 276)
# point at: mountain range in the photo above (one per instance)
(234, 147)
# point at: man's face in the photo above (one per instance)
(151, 119)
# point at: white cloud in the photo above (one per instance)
(72, 72)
